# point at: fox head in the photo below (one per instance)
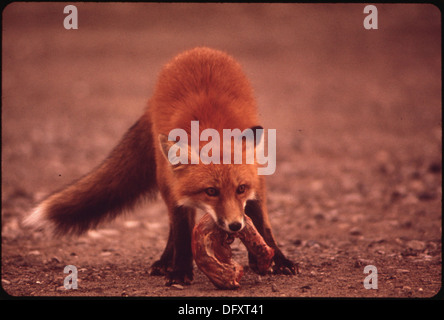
(222, 190)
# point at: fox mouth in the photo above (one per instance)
(233, 227)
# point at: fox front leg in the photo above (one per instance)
(282, 265)
(182, 225)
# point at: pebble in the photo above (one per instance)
(177, 286)
(34, 253)
(402, 271)
(4, 281)
(416, 245)
(316, 185)
(407, 289)
(274, 288)
(427, 195)
(55, 259)
(363, 262)
(312, 244)
(305, 288)
(319, 216)
(105, 254)
(332, 215)
(355, 231)
(132, 224)
(435, 167)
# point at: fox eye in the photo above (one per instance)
(241, 189)
(212, 192)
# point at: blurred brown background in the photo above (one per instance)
(357, 113)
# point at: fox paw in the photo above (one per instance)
(284, 266)
(281, 265)
(182, 277)
(160, 268)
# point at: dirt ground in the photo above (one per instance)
(358, 119)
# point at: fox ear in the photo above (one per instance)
(170, 148)
(258, 133)
(165, 145)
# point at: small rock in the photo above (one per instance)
(305, 288)
(402, 271)
(396, 195)
(274, 288)
(416, 245)
(34, 253)
(132, 224)
(4, 281)
(435, 167)
(94, 234)
(406, 224)
(313, 245)
(355, 231)
(359, 263)
(177, 286)
(105, 254)
(409, 253)
(427, 257)
(352, 198)
(55, 259)
(319, 216)
(332, 215)
(427, 196)
(317, 185)
(407, 289)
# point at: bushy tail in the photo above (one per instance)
(128, 173)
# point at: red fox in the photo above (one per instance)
(202, 85)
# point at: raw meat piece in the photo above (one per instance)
(212, 252)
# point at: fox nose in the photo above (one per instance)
(235, 226)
